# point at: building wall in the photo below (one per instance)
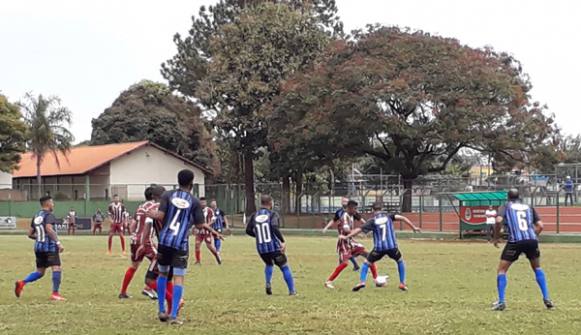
(5, 180)
(149, 165)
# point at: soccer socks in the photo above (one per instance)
(110, 243)
(161, 290)
(373, 269)
(401, 270)
(542, 281)
(268, 270)
(198, 256)
(127, 279)
(122, 242)
(337, 271)
(218, 244)
(56, 281)
(178, 291)
(288, 278)
(363, 273)
(501, 282)
(354, 261)
(33, 276)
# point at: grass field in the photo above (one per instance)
(451, 288)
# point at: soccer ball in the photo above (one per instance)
(381, 281)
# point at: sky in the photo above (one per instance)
(88, 52)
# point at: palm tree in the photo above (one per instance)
(47, 124)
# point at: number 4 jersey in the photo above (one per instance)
(519, 220)
(182, 211)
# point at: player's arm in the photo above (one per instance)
(408, 222)
(538, 223)
(354, 232)
(226, 223)
(498, 226)
(275, 224)
(49, 227)
(250, 227)
(31, 233)
(200, 222)
(159, 214)
(329, 225)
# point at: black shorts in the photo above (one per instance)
(272, 258)
(512, 250)
(167, 256)
(376, 255)
(47, 259)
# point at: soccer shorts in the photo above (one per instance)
(171, 257)
(273, 258)
(377, 255)
(146, 252)
(204, 237)
(117, 228)
(352, 249)
(512, 250)
(47, 259)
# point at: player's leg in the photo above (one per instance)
(180, 263)
(122, 239)
(395, 254)
(164, 259)
(100, 227)
(370, 261)
(218, 245)
(534, 255)
(197, 249)
(354, 262)
(509, 255)
(268, 260)
(281, 261)
(344, 258)
(56, 280)
(210, 244)
(33, 276)
(130, 272)
(110, 241)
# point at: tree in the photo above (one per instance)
(234, 59)
(149, 111)
(47, 122)
(412, 100)
(12, 135)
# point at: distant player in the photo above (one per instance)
(116, 210)
(338, 215)
(384, 243)
(178, 211)
(205, 235)
(263, 225)
(523, 225)
(220, 224)
(347, 247)
(47, 248)
(71, 221)
(98, 219)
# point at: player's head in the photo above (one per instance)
(47, 203)
(344, 202)
(186, 179)
(203, 202)
(116, 198)
(352, 207)
(148, 193)
(156, 192)
(213, 204)
(266, 201)
(377, 206)
(568, 178)
(513, 194)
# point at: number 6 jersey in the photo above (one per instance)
(182, 211)
(519, 220)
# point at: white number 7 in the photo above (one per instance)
(175, 224)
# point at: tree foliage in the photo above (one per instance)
(12, 135)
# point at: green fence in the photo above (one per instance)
(25, 209)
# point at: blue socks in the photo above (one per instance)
(218, 244)
(542, 281)
(401, 270)
(33, 276)
(501, 283)
(268, 270)
(363, 274)
(178, 291)
(288, 278)
(56, 281)
(161, 288)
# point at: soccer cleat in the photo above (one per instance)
(124, 296)
(268, 289)
(403, 287)
(109, 253)
(18, 287)
(176, 322)
(163, 317)
(219, 260)
(356, 268)
(548, 303)
(329, 284)
(57, 297)
(197, 263)
(151, 294)
(293, 293)
(358, 287)
(498, 306)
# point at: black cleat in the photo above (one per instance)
(219, 260)
(268, 289)
(498, 306)
(176, 322)
(548, 303)
(163, 317)
(356, 268)
(293, 293)
(123, 296)
(358, 287)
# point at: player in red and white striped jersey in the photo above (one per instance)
(116, 209)
(204, 235)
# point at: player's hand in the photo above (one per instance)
(151, 213)
(342, 237)
(324, 230)
(220, 236)
(61, 248)
(417, 230)
(283, 247)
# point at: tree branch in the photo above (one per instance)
(444, 164)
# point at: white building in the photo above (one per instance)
(5, 180)
(104, 170)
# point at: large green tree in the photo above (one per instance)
(412, 100)
(236, 56)
(12, 135)
(48, 129)
(149, 111)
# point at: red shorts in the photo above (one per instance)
(348, 249)
(204, 237)
(146, 252)
(116, 228)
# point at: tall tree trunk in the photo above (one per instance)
(299, 190)
(286, 195)
(406, 204)
(38, 177)
(249, 184)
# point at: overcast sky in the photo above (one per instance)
(87, 52)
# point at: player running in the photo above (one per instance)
(116, 210)
(178, 210)
(523, 225)
(71, 221)
(384, 243)
(205, 235)
(347, 247)
(220, 224)
(338, 215)
(263, 226)
(46, 247)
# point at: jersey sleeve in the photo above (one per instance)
(164, 201)
(275, 221)
(368, 226)
(336, 217)
(250, 227)
(536, 216)
(50, 219)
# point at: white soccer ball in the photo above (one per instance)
(381, 280)
(346, 228)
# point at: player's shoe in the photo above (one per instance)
(219, 260)
(356, 268)
(358, 287)
(151, 294)
(124, 254)
(197, 263)
(498, 306)
(18, 287)
(548, 303)
(55, 296)
(293, 293)
(124, 296)
(109, 253)
(268, 289)
(403, 287)
(329, 284)
(163, 317)
(176, 322)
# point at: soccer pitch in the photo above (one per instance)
(451, 288)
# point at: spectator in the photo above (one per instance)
(490, 221)
(569, 187)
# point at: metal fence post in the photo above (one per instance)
(421, 210)
(558, 213)
(440, 208)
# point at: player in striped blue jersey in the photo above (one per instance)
(220, 224)
(384, 243)
(46, 247)
(523, 225)
(263, 226)
(178, 211)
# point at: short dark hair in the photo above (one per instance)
(115, 195)
(202, 198)
(44, 199)
(157, 190)
(148, 193)
(513, 194)
(377, 206)
(352, 203)
(185, 177)
(265, 199)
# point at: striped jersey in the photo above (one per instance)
(383, 233)
(218, 223)
(141, 222)
(266, 240)
(116, 211)
(182, 211)
(519, 220)
(43, 242)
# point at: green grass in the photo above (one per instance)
(451, 288)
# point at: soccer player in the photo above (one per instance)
(177, 211)
(116, 210)
(205, 235)
(46, 247)
(127, 222)
(263, 225)
(347, 247)
(384, 243)
(72, 221)
(98, 219)
(338, 215)
(220, 224)
(523, 225)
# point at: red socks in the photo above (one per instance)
(127, 279)
(198, 256)
(110, 242)
(337, 271)
(122, 242)
(373, 269)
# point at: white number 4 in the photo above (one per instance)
(175, 224)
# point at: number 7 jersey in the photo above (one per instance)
(182, 211)
(519, 220)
